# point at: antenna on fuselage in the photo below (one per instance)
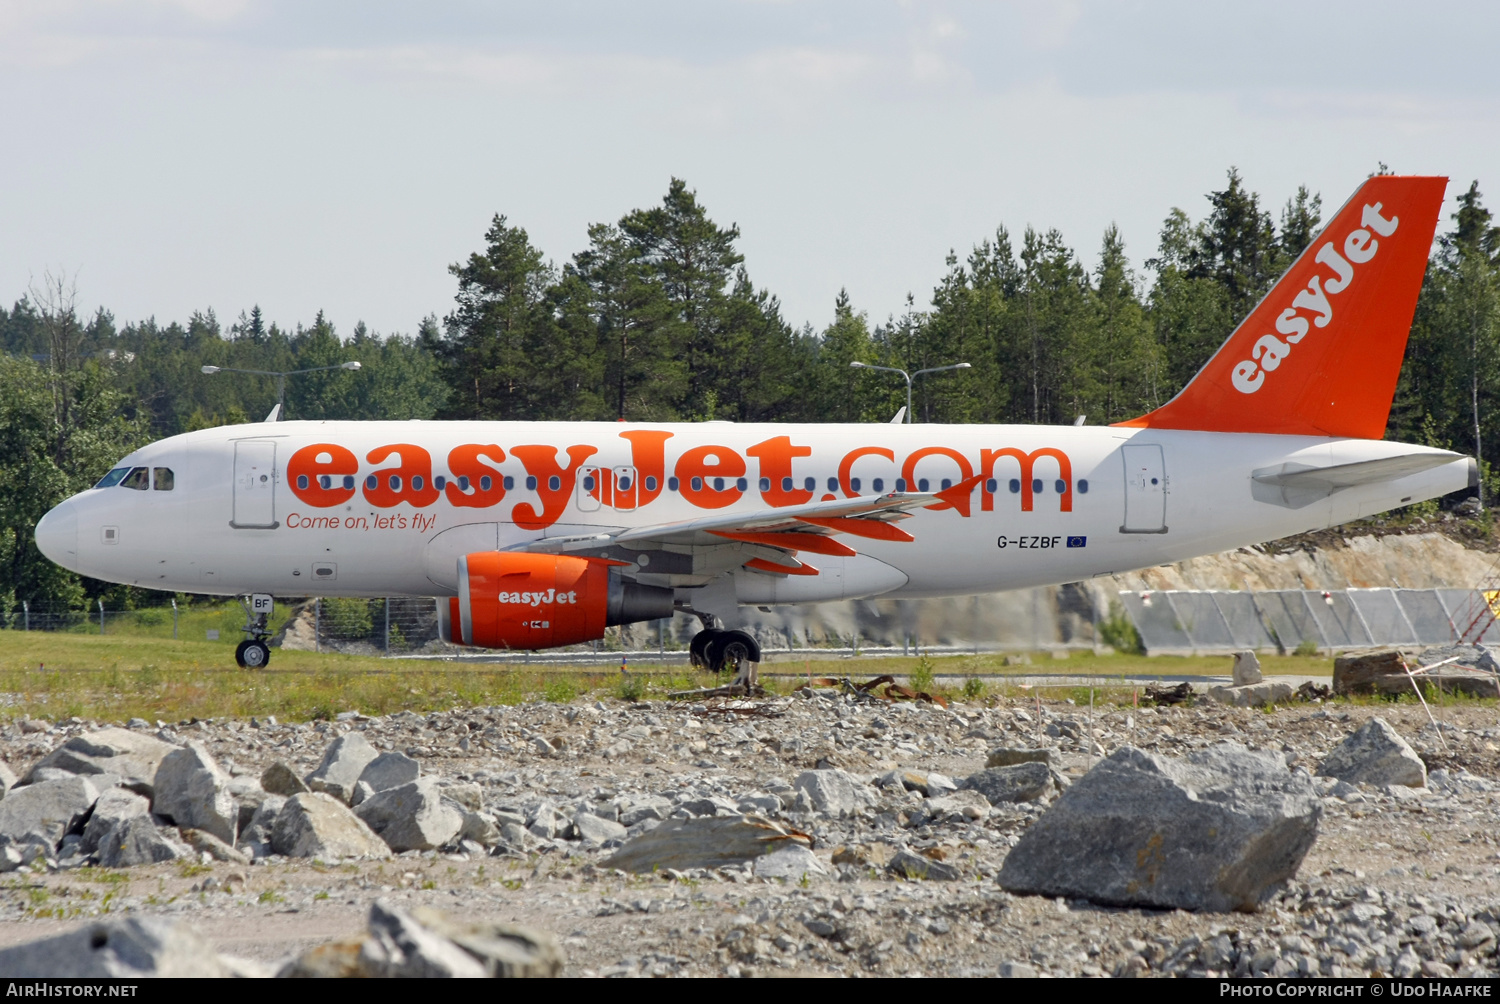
(275, 413)
(900, 416)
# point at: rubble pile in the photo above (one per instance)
(830, 831)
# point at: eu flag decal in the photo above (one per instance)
(1078, 542)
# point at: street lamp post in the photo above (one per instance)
(909, 376)
(281, 376)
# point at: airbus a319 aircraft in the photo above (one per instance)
(539, 534)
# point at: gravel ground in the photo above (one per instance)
(1400, 881)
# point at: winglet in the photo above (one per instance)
(958, 497)
(1319, 356)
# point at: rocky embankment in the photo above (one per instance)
(823, 833)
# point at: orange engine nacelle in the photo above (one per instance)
(519, 600)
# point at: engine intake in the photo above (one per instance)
(520, 600)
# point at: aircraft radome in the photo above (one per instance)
(539, 534)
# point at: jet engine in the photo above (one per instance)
(520, 600)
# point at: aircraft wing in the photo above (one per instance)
(785, 531)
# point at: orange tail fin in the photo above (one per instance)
(1319, 356)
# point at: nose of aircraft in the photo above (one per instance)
(57, 535)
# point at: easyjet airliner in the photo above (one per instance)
(539, 534)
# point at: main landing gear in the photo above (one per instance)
(253, 652)
(718, 650)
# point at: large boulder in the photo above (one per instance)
(399, 946)
(390, 770)
(130, 755)
(427, 943)
(412, 817)
(113, 807)
(1246, 669)
(507, 951)
(1253, 695)
(255, 837)
(704, 842)
(1217, 830)
(280, 779)
(137, 840)
(315, 824)
(1022, 782)
(44, 812)
(1383, 672)
(833, 792)
(191, 790)
(116, 948)
(1009, 756)
(1375, 754)
(343, 763)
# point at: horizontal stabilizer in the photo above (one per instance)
(1296, 485)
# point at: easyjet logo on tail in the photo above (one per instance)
(1360, 247)
(1321, 352)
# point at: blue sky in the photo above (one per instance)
(191, 154)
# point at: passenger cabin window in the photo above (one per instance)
(113, 477)
(162, 479)
(138, 479)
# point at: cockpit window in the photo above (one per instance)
(139, 479)
(113, 477)
(162, 479)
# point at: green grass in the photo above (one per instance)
(116, 677)
(994, 664)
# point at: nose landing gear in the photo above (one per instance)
(253, 652)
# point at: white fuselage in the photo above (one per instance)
(236, 519)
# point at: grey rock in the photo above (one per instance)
(39, 774)
(413, 817)
(463, 796)
(652, 807)
(710, 806)
(1246, 669)
(280, 779)
(1253, 695)
(390, 770)
(479, 828)
(1217, 830)
(7, 778)
(1017, 971)
(137, 840)
(206, 843)
(1375, 754)
(595, 832)
(255, 838)
(793, 863)
(515, 835)
(315, 824)
(132, 756)
(113, 807)
(398, 946)
(191, 790)
(44, 812)
(703, 842)
(910, 865)
(1008, 756)
(362, 791)
(1022, 782)
(1473, 656)
(507, 951)
(248, 794)
(833, 792)
(343, 763)
(958, 805)
(939, 785)
(119, 948)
